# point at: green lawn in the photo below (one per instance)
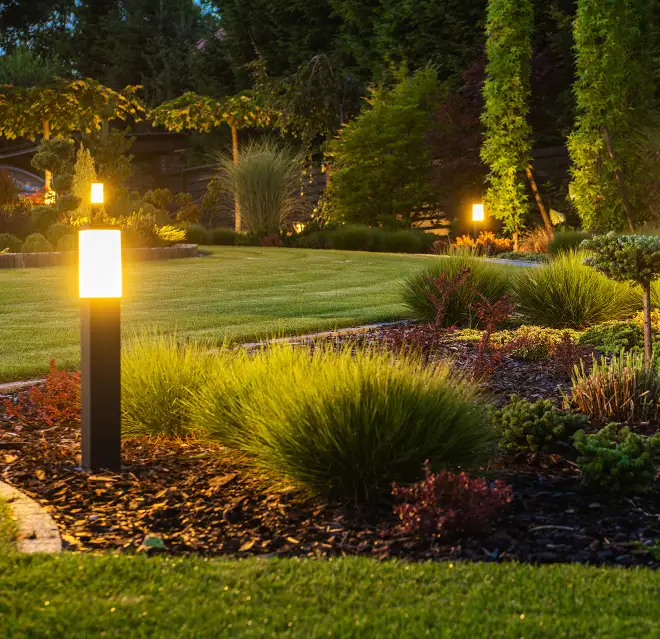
(234, 293)
(7, 528)
(74, 596)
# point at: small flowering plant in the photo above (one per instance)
(446, 504)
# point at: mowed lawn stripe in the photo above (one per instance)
(233, 293)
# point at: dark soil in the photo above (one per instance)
(191, 497)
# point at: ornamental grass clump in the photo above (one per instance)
(340, 424)
(158, 376)
(492, 281)
(621, 389)
(567, 294)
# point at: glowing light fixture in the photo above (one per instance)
(478, 213)
(97, 193)
(99, 263)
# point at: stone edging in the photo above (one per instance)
(37, 532)
(60, 258)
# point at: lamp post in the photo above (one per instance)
(477, 216)
(100, 289)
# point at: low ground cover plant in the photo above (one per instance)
(567, 294)
(486, 280)
(617, 458)
(613, 337)
(536, 427)
(446, 504)
(620, 389)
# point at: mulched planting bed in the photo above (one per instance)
(192, 497)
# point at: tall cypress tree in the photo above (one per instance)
(507, 145)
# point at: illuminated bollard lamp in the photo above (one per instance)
(100, 290)
(478, 215)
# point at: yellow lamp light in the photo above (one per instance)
(99, 257)
(97, 193)
(477, 212)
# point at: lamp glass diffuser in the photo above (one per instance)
(97, 193)
(99, 256)
(477, 212)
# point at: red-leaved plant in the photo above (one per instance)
(443, 288)
(53, 403)
(446, 504)
(491, 315)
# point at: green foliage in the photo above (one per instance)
(523, 257)
(57, 156)
(158, 377)
(380, 162)
(70, 242)
(36, 243)
(534, 428)
(507, 135)
(84, 174)
(43, 217)
(567, 294)
(196, 234)
(56, 232)
(10, 243)
(531, 343)
(265, 182)
(618, 459)
(567, 241)
(614, 87)
(223, 237)
(25, 68)
(339, 424)
(493, 281)
(621, 389)
(613, 337)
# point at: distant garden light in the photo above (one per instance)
(478, 213)
(97, 193)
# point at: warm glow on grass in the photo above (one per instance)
(99, 273)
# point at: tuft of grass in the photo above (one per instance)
(158, 376)
(567, 294)
(340, 424)
(567, 241)
(493, 281)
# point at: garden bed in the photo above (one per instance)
(188, 496)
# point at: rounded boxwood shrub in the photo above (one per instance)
(567, 241)
(10, 243)
(197, 234)
(567, 294)
(343, 425)
(69, 243)
(491, 280)
(223, 237)
(43, 217)
(57, 231)
(36, 243)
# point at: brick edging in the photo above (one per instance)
(37, 531)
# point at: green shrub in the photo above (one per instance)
(567, 294)
(340, 424)
(621, 389)
(567, 241)
(531, 343)
(70, 242)
(406, 241)
(36, 243)
(355, 237)
(618, 459)
(265, 181)
(316, 240)
(534, 428)
(10, 243)
(492, 280)
(223, 237)
(57, 231)
(43, 217)
(197, 234)
(359, 237)
(158, 377)
(613, 337)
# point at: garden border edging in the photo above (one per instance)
(37, 531)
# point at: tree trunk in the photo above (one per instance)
(48, 177)
(648, 338)
(619, 178)
(539, 200)
(237, 207)
(515, 241)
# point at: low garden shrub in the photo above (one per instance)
(567, 241)
(341, 424)
(57, 231)
(70, 242)
(445, 504)
(613, 337)
(36, 243)
(359, 237)
(10, 243)
(487, 279)
(43, 217)
(534, 427)
(223, 237)
(158, 377)
(196, 234)
(621, 389)
(617, 458)
(567, 294)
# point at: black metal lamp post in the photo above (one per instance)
(100, 286)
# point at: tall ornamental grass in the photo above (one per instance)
(493, 281)
(567, 294)
(342, 425)
(158, 376)
(266, 182)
